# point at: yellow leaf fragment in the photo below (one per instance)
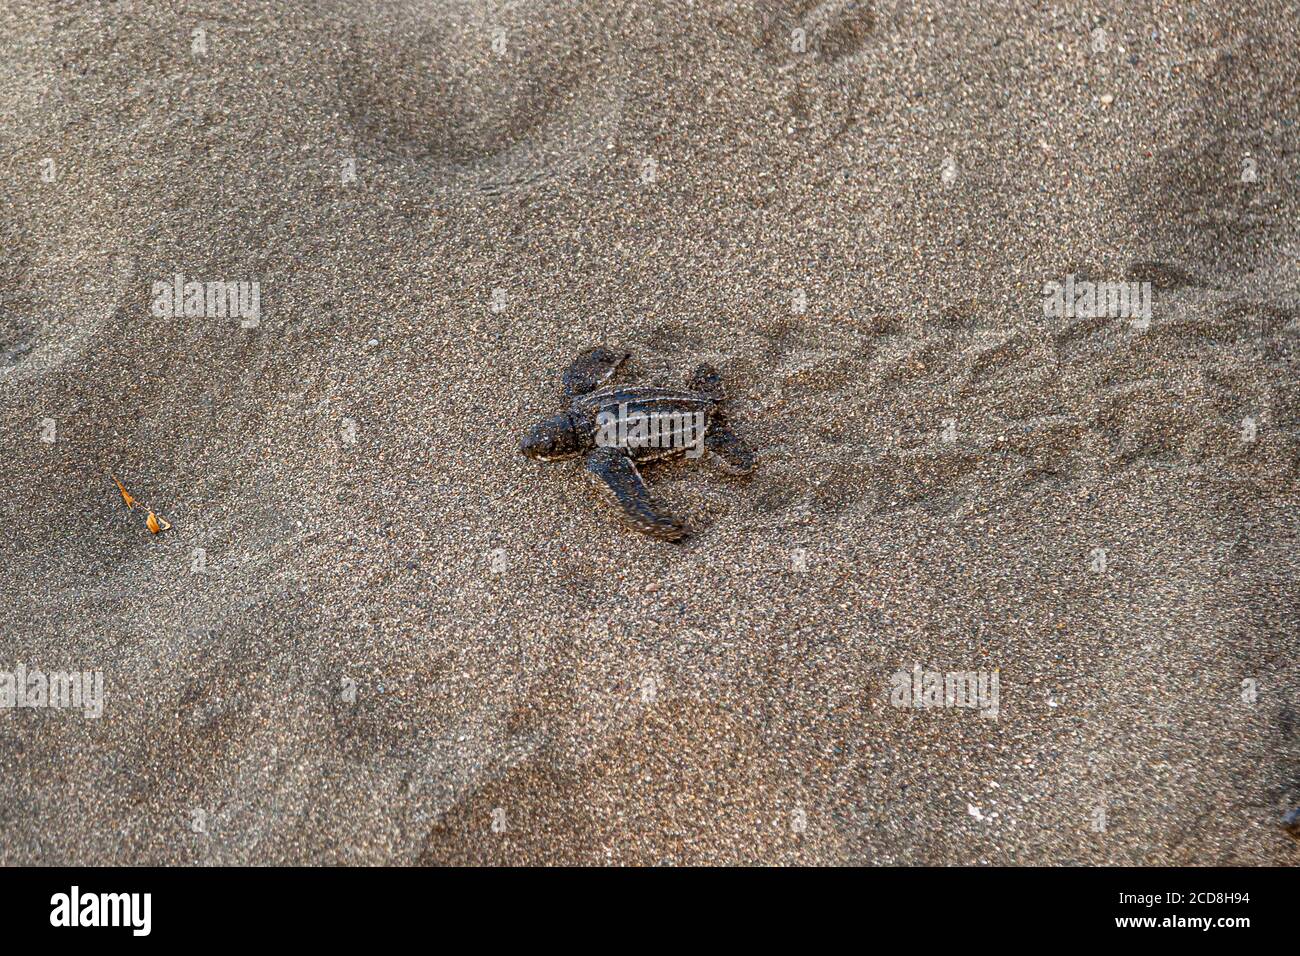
(154, 523)
(126, 495)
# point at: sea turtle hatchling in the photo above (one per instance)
(615, 427)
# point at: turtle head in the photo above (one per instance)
(552, 438)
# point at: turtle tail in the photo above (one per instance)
(707, 381)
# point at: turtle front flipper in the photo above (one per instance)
(729, 449)
(616, 472)
(593, 367)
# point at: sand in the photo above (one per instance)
(376, 634)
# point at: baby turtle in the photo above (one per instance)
(618, 426)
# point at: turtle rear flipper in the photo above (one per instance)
(618, 474)
(707, 381)
(729, 449)
(593, 367)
